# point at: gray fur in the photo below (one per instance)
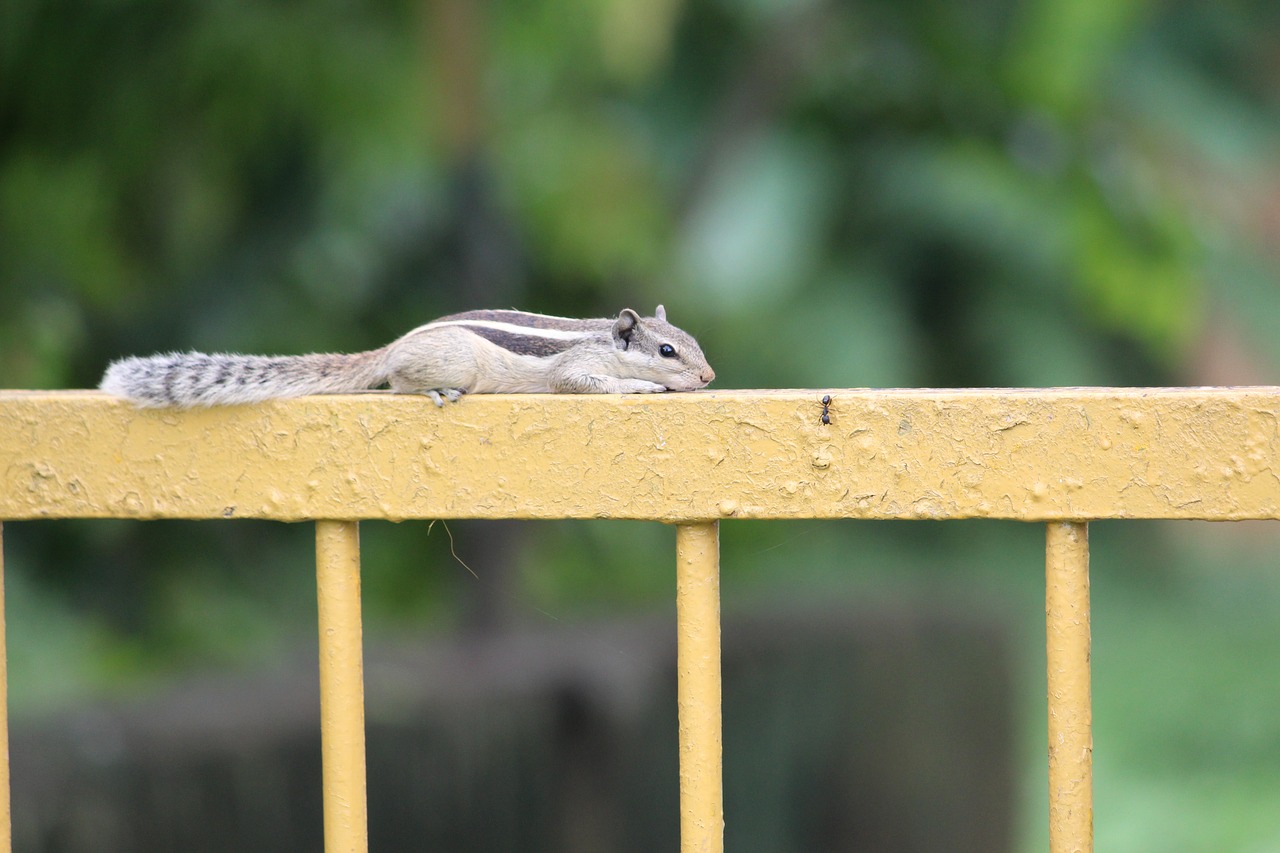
(479, 352)
(199, 379)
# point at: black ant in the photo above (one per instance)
(826, 409)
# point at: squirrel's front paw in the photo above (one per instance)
(639, 386)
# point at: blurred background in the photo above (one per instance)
(828, 195)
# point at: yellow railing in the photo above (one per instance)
(1060, 456)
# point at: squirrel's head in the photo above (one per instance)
(655, 350)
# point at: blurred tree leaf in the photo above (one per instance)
(753, 237)
(1063, 51)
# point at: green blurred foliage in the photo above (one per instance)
(827, 194)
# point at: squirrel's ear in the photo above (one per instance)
(661, 314)
(625, 327)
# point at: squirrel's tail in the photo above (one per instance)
(199, 379)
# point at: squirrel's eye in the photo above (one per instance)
(667, 351)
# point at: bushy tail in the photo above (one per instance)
(199, 379)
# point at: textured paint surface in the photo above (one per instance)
(698, 687)
(1022, 454)
(1070, 695)
(341, 687)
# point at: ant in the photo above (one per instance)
(826, 409)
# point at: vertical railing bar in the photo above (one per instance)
(698, 688)
(6, 813)
(1070, 704)
(341, 687)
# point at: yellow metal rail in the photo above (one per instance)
(1070, 704)
(698, 686)
(6, 824)
(1050, 455)
(1062, 456)
(346, 825)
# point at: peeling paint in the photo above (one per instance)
(1028, 454)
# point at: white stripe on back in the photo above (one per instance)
(555, 334)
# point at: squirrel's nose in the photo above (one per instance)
(707, 375)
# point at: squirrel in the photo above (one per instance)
(476, 352)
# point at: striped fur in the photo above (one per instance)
(474, 352)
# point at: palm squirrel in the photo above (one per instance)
(477, 352)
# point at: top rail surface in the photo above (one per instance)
(1031, 455)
